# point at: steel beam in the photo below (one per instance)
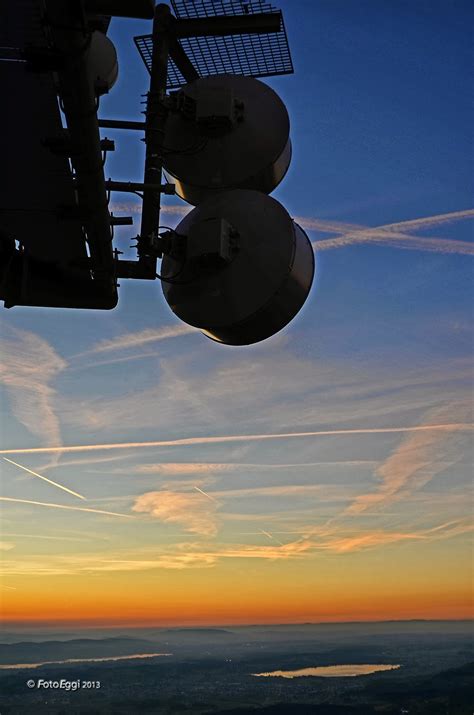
(132, 186)
(140, 9)
(119, 124)
(182, 62)
(68, 29)
(229, 25)
(156, 113)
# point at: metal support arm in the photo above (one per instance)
(154, 134)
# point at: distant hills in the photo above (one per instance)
(197, 631)
(28, 652)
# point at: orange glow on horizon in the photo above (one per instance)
(85, 611)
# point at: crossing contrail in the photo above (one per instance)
(353, 234)
(392, 234)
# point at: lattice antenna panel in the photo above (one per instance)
(253, 55)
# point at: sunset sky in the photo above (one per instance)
(322, 475)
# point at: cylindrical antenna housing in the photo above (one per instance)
(102, 62)
(247, 272)
(226, 132)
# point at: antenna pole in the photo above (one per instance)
(154, 133)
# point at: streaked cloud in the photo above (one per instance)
(377, 538)
(28, 367)
(63, 537)
(286, 490)
(418, 458)
(84, 461)
(6, 545)
(212, 468)
(192, 555)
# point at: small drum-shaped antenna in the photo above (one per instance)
(226, 132)
(247, 269)
(102, 64)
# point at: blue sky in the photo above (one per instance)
(382, 135)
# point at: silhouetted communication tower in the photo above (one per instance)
(237, 266)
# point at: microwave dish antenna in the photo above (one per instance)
(227, 132)
(247, 271)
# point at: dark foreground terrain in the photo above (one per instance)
(209, 671)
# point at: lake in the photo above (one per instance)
(137, 656)
(329, 671)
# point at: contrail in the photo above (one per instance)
(43, 536)
(270, 536)
(205, 494)
(132, 340)
(40, 476)
(63, 506)
(353, 234)
(454, 427)
(329, 226)
(427, 221)
(381, 236)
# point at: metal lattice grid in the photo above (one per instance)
(253, 55)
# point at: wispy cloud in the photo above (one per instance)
(85, 461)
(450, 427)
(418, 458)
(204, 555)
(185, 468)
(63, 506)
(180, 556)
(376, 538)
(189, 510)
(285, 490)
(48, 537)
(28, 367)
(212, 468)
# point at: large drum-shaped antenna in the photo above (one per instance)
(247, 269)
(226, 132)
